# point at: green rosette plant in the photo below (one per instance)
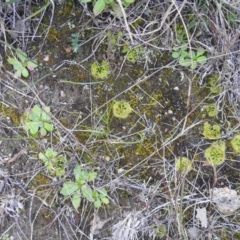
(81, 189)
(53, 161)
(183, 165)
(37, 121)
(235, 143)
(211, 110)
(215, 154)
(100, 70)
(22, 64)
(121, 109)
(211, 131)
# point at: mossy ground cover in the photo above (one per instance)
(135, 157)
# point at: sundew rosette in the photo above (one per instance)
(183, 165)
(215, 154)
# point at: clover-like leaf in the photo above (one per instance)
(69, 188)
(33, 127)
(48, 126)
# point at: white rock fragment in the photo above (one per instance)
(202, 216)
(176, 88)
(227, 200)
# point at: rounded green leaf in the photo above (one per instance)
(105, 200)
(97, 203)
(175, 54)
(25, 72)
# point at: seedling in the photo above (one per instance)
(37, 120)
(215, 154)
(100, 70)
(211, 110)
(74, 43)
(183, 165)
(81, 188)
(121, 109)
(235, 143)
(22, 64)
(189, 58)
(133, 54)
(100, 5)
(53, 161)
(211, 131)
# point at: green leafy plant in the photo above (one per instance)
(100, 70)
(235, 143)
(215, 154)
(22, 64)
(100, 5)
(37, 120)
(211, 110)
(74, 43)
(133, 54)
(213, 82)
(53, 161)
(81, 188)
(121, 109)
(189, 58)
(183, 165)
(211, 131)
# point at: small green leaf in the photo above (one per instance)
(49, 127)
(76, 199)
(33, 127)
(43, 132)
(86, 1)
(77, 171)
(200, 52)
(12, 61)
(97, 203)
(84, 175)
(43, 157)
(117, 10)
(202, 59)
(45, 117)
(21, 55)
(175, 54)
(95, 194)
(105, 200)
(25, 72)
(99, 7)
(87, 192)
(69, 188)
(103, 192)
(37, 111)
(92, 176)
